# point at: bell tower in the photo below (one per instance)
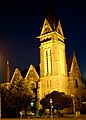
(53, 68)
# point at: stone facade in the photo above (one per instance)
(53, 67)
(55, 72)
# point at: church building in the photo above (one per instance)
(55, 72)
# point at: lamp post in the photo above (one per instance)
(51, 107)
(21, 114)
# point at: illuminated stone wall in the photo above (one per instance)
(55, 73)
(53, 67)
(75, 78)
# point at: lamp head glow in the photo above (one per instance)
(51, 100)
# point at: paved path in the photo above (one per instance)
(62, 118)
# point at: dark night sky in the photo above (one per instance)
(20, 24)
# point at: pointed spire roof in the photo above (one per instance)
(69, 62)
(50, 23)
(50, 14)
(46, 27)
(74, 58)
(59, 28)
(72, 62)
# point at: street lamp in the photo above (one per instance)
(21, 114)
(51, 107)
(32, 104)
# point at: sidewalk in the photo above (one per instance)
(80, 117)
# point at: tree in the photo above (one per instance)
(17, 96)
(59, 101)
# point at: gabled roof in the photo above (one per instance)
(46, 27)
(50, 26)
(32, 74)
(24, 71)
(16, 75)
(59, 28)
(29, 73)
(71, 63)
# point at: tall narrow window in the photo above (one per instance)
(45, 62)
(49, 61)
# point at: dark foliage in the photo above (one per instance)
(59, 101)
(15, 98)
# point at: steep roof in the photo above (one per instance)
(32, 74)
(50, 14)
(50, 24)
(71, 63)
(16, 75)
(52, 20)
(24, 71)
